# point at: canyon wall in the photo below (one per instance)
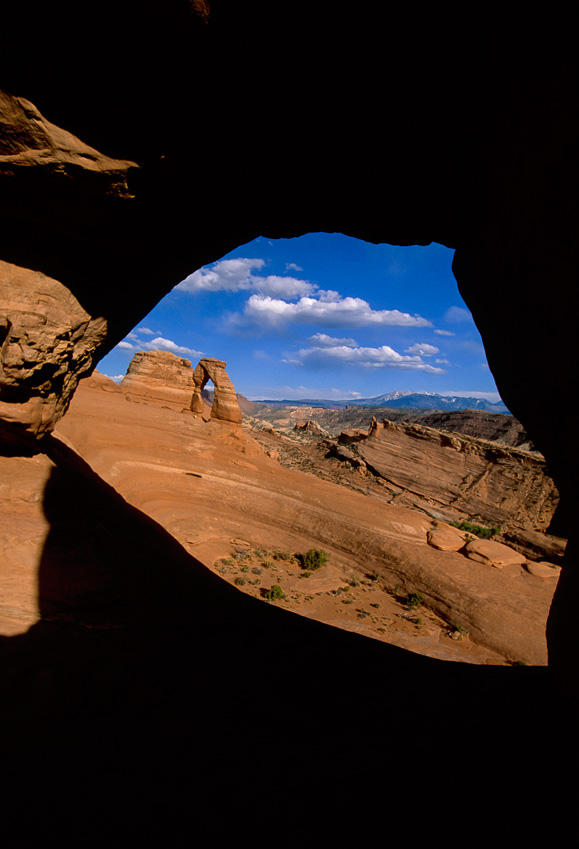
(454, 476)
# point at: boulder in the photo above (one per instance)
(493, 553)
(542, 569)
(310, 426)
(445, 538)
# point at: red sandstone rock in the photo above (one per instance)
(424, 468)
(446, 538)
(542, 569)
(493, 553)
(161, 377)
(47, 343)
(225, 406)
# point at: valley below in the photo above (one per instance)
(249, 502)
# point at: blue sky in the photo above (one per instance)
(322, 316)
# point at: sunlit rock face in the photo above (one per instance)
(225, 405)
(47, 343)
(160, 377)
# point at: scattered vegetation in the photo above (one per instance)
(477, 530)
(246, 567)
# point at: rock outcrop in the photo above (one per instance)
(47, 343)
(160, 377)
(310, 427)
(225, 407)
(456, 476)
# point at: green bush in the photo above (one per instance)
(478, 530)
(414, 600)
(313, 559)
(274, 593)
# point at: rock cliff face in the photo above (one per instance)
(455, 476)
(161, 377)
(225, 406)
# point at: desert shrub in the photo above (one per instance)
(478, 530)
(313, 559)
(225, 561)
(414, 600)
(282, 555)
(239, 582)
(274, 593)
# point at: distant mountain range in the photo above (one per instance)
(408, 400)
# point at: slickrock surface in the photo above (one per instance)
(161, 377)
(209, 483)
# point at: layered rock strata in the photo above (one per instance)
(225, 405)
(456, 476)
(160, 377)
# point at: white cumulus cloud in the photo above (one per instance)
(235, 275)
(159, 343)
(423, 349)
(328, 309)
(322, 340)
(364, 357)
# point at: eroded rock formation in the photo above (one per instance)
(161, 377)
(456, 476)
(225, 406)
(47, 343)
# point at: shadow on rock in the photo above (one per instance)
(154, 702)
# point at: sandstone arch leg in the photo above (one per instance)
(225, 405)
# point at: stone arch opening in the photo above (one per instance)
(209, 367)
(225, 407)
(479, 151)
